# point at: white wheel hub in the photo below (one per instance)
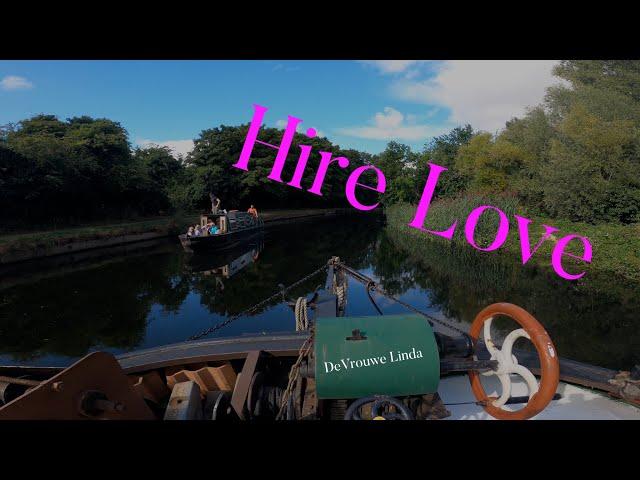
(507, 363)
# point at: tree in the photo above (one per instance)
(442, 150)
(490, 165)
(575, 156)
(210, 168)
(80, 168)
(398, 163)
(593, 171)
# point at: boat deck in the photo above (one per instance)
(577, 403)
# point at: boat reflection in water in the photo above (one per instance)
(226, 264)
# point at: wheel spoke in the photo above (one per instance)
(508, 363)
(510, 339)
(529, 377)
(488, 341)
(505, 381)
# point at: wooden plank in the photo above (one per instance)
(224, 377)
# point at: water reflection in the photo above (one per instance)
(50, 315)
(227, 264)
(594, 321)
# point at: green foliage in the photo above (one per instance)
(210, 168)
(445, 211)
(490, 165)
(442, 150)
(82, 168)
(58, 172)
(580, 316)
(575, 157)
(592, 173)
(398, 162)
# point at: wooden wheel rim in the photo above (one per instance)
(549, 365)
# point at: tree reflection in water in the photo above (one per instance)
(50, 316)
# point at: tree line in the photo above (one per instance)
(56, 171)
(575, 156)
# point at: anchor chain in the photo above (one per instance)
(257, 306)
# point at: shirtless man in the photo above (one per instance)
(215, 203)
(252, 210)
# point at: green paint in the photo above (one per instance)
(399, 357)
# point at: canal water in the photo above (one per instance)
(53, 312)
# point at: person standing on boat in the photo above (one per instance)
(252, 210)
(215, 203)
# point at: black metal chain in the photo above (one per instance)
(255, 307)
(370, 284)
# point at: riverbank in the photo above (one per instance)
(30, 245)
(616, 247)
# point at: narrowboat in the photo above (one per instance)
(235, 228)
(412, 366)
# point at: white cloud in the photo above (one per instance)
(179, 147)
(14, 82)
(484, 93)
(391, 66)
(300, 129)
(392, 125)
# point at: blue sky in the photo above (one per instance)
(356, 104)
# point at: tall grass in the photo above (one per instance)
(616, 247)
(443, 212)
(580, 316)
(456, 259)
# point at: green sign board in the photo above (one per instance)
(393, 355)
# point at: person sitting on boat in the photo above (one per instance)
(252, 210)
(214, 230)
(190, 231)
(197, 232)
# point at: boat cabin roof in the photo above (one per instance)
(212, 215)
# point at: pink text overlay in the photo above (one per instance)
(420, 217)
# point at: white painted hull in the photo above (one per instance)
(577, 403)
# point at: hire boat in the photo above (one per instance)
(235, 228)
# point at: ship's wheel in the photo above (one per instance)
(540, 394)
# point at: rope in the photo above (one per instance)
(293, 376)
(250, 310)
(340, 293)
(302, 319)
